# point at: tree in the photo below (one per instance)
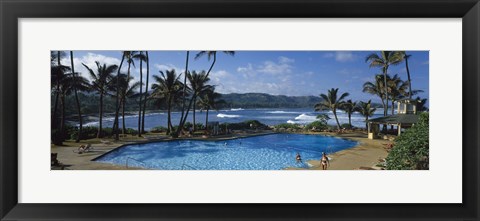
(376, 88)
(332, 102)
(141, 57)
(168, 87)
(100, 83)
(198, 84)
(117, 99)
(184, 94)
(421, 104)
(76, 88)
(57, 73)
(411, 149)
(146, 92)
(210, 55)
(209, 100)
(383, 61)
(366, 110)
(349, 108)
(405, 57)
(126, 90)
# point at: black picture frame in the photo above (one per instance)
(12, 10)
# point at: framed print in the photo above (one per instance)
(239, 110)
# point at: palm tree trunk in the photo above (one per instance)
(186, 114)
(80, 120)
(336, 118)
(366, 122)
(140, 103)
(169, 119)
(56, 136)
(385, 111)
(206, 120)
(184, 91)
(350, 119)
(194, 106)
(146, 94)
(393, 112)
(117, 102)
(211, 66)
(100, 113)
(124, 129)
(408, 76)
(62, 122)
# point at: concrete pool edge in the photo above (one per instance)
(363, 146)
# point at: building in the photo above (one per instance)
(406, 117)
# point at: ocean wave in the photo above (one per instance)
(305, 117)
(291, 122)
(227, 116)
(282, 112)
(236, 109)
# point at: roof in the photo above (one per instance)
(396, 119)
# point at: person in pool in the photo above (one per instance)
(324, 161)
(298, 158)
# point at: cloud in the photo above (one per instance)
(283, 66)
(164, 67)
(89, 59)
(341, 56)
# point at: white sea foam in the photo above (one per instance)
(291, 122)
(283, 112)
(236, 109)
(305, 117)
(227, 116)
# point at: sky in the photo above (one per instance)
(291, 73)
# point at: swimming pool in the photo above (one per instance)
(265, 152)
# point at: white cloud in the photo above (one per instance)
(341, 56)
(89, 59)
(344, 56)
(284, 60)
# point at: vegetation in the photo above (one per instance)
(366, 110)
(260, 100)
(331, 101)
(411, 148)
(349, 107)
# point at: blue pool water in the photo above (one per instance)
(266, 152)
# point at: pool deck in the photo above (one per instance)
(363, 156)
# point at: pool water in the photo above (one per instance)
(265, 152)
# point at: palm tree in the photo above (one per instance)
(141, 57)
(167, 86)
(209, 100)
(421, 104)
(198, 85)
(366, 110)
(117, 99)
(405, 57)
(384, 60)
(127, 90)
(349, 108)
(100, 83)
(331, 101)
(376, 88)
(57, 73)
(399, 89)
(71, 83)
(75, 86)
(146, 92)
(184, 95)
(210, 55)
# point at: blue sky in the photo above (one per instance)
(290, 73)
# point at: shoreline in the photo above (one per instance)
(365, 155)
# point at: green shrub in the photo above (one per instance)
(287, 126)
(411, 149)
(158, 129)
(245, 125)
(346, 126)
(88, 132)
(318, 125)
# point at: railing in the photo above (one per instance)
(139, 161)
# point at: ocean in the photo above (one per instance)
(268, 116)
